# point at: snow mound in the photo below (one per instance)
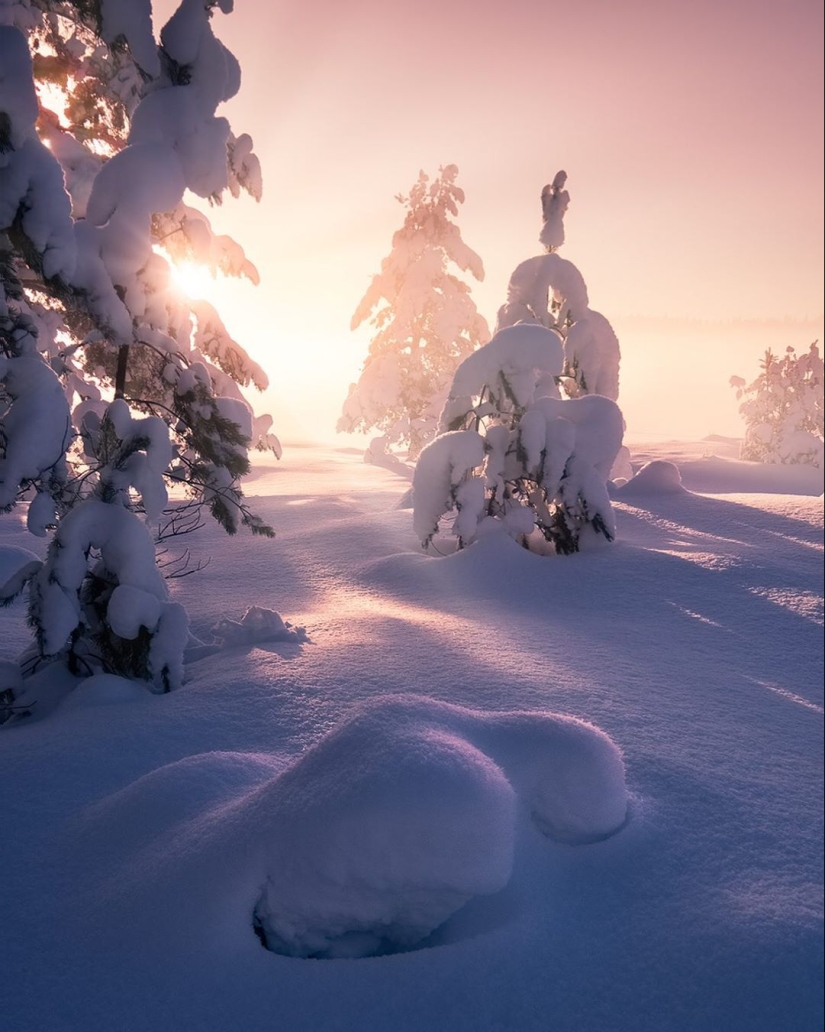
(406, 811)
(104, 690)
(15, 562)
(257, 625)
(657, 477)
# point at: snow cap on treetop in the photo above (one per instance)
(554, 202)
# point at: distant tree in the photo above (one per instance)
(114, 385)
(425, 319)
(783, 409)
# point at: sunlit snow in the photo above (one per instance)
(362, 787)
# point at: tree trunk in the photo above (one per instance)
(120, 375)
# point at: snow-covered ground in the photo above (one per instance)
(138, 832)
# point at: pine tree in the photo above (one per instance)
(425, 319)
(113, 385)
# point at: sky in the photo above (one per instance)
(691, 134)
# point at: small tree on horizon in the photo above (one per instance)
(783, 409)
(425, 318)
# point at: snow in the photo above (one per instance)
(554, 202)
(257, 625)
(660, 476)
(591, 355)
(18, 100)
(132, 19)
(441, 468)
(31, 181)
(37, 399)
(515, 361)
(373, 856)
(530, 287)
(140, 830)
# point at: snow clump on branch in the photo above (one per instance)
(112, 383)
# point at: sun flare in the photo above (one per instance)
(192, 279)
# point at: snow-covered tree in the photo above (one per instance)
(114, 385)
(512, 454)
(550, 290)
(783, 409)
(425, 319)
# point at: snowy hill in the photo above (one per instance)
(139, 832)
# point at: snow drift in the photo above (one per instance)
(379, 832)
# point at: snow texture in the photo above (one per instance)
(37, 401)
(132, 19)
(18, 100)
(138, 830)
(554, 202)
(257, 625)
(441, 469)
(516, 363)
(591, 355)
(659, 476)
(536, 282)
(370, 857)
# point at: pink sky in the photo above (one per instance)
(691, 134)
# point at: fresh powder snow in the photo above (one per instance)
(389, 782)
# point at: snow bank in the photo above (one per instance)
(407, 810)
(371, 840)
(657, 477)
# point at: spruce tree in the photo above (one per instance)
(783, 408)
(425, 320)
(550, 290)
(113, 384)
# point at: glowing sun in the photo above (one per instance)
(194, 280)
